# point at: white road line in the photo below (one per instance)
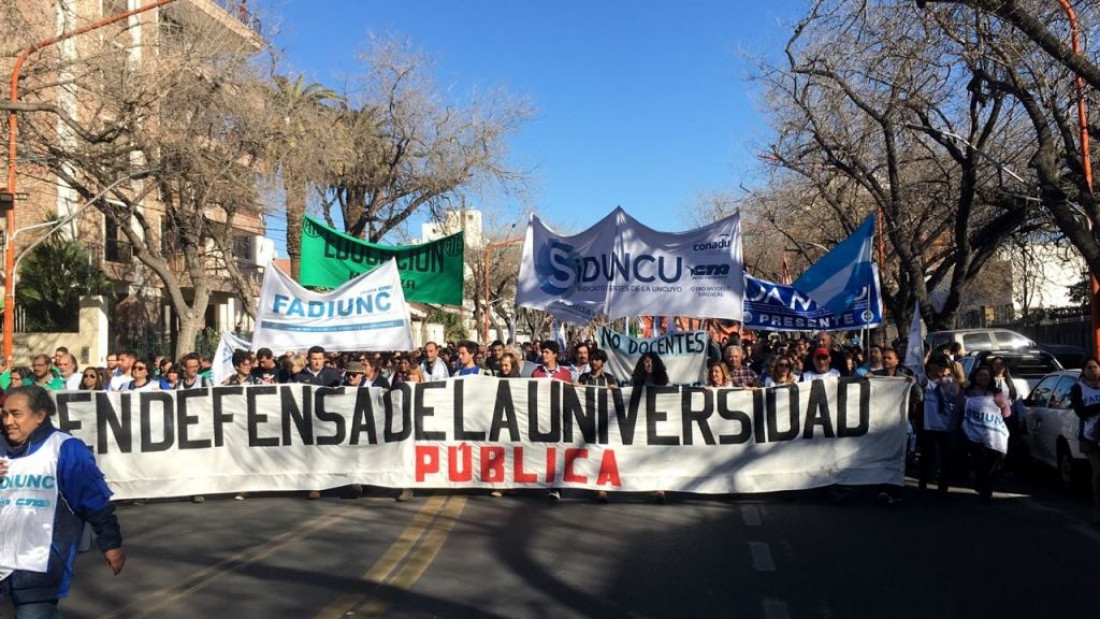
(751, 515)
(775, 609)
(761, 557)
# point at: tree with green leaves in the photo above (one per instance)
(52, 279)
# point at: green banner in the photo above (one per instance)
(430, 272)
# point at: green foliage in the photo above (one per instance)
(52, 278)
(1079, 292)
(453, 329)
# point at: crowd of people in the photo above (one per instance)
(958, 419)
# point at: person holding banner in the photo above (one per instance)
(316, 373)
(783, 374)
(984, 410)
(650, 372)
(42, 525)
(242, 363)
(718, 377)
(822, 366)
(596, 375)
(550, 367)
(741, 375)
(433, 367)
(142, 379)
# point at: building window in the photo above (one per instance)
(115, 249)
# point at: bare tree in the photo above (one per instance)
(406, 148)
(179, 112)
(871, 116)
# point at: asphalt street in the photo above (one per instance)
(1030, 553)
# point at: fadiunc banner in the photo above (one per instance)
(367, 313)
(484, 432)
(619, 267)
(779, 307)
(684, 354)
(430, 272)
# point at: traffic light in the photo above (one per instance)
(7, 201)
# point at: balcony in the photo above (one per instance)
(228, 17)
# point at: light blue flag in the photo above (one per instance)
(840, 276)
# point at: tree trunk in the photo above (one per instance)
(191, 322)
(295, 196)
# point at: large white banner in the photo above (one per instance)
(684, 354)
(366, 313)
(619, 267)
(489, 432)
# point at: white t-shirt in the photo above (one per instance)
(812, 375)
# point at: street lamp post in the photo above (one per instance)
(13, 126)
(488, 256)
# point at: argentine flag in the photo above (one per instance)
(838, 278)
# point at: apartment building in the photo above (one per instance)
(66, 75)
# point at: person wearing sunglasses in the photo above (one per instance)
(142, 378)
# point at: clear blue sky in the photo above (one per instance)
(644, 104)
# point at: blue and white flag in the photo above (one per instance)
(837, 279)
(914, 352)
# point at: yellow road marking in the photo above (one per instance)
(199, 580)
(420, 542)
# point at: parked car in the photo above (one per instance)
(1027, 367)
(979, 339)
(1069, 356)
(1051, 424)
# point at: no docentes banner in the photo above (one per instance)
(367, 313)
(493, 433)
(684, 354)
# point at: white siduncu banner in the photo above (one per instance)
(493, 433)
(619, 267)
(366, 313)
(684, 354)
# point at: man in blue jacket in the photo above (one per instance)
(49, 488)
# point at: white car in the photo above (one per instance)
(1051, 427)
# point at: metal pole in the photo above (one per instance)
(1086, 167)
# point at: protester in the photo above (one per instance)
(550, 368)
(142, 380)
(1084, 397)
(190, 378)
(821, 366)
(42, 374)
(371, 376)
(21, 376)
(266, 369)
(741, 375)
(433, 367)
(316, 373)
(496, 354)
(597, 374)
(938, 424)
(984, 410)
(467, 364)
(68, 371)
(581, 353)
(112, 364)
(171, 377)
(782, 374)
(90, 380)
(509, 366)
(353, 375)
(650, 372)
(242, 366)
(719, 375)
(35, 446)
(123, 374)
(874, 361)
